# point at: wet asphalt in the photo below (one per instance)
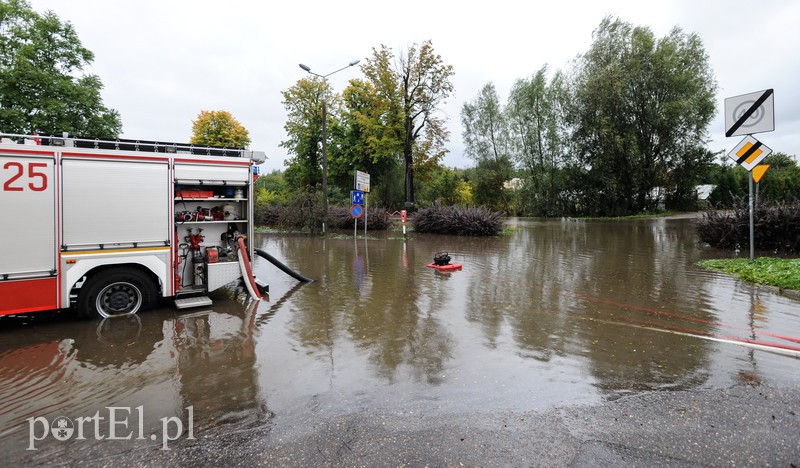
(740, 426)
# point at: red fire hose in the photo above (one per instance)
(244, 259)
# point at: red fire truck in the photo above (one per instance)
(108, 227)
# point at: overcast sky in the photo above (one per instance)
(164, 61)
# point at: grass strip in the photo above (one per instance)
(783, 273)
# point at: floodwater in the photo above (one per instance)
(555, 312)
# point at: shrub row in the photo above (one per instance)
(472, 221)
(777, 226)
(267, 215)
(308, 217)
(377, 219)
(304, 213)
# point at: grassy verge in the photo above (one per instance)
(659, 214)
(781, 272)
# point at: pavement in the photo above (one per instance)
(752, 425)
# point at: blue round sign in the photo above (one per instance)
(357, 211)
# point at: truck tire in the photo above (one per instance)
(115, 292)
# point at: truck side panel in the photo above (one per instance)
(27, 233)
(30, 295)
(115, 204)
(28, 243)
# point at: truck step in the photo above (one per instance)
(189, 302)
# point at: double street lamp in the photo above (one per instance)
(325, 139)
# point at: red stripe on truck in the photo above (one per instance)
(20, 296)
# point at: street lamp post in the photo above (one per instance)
(325, 139)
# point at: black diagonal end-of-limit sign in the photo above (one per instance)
(749, 152)
(743, 118)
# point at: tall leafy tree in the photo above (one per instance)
(782, 180)
(414, 87)
(303, 104)
(219, 128)
(445, 187)
(487, 180)
(641, 110)
(539, 136)
(781, 183)
(43, 86)
(365, 141)
(485, 131)
(486, 139)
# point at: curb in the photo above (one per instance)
(790, 293)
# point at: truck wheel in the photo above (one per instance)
(115, 292)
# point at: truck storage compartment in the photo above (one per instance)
(208, 174)
(115, 204)
(27, 234)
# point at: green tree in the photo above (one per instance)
(271, 189)
(640, 112)
(780, 160)
(486, 180)
(782, 181)
(445, 186)
(485, 131)
(412, 89)
(43, 87)
(535, 113)
(219, 128)
(363, 140)
(303, 104)
(486, 139)
(730, 184)
(683, 176)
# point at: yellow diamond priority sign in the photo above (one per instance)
(749, 152)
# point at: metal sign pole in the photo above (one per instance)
(355, 186)
(752, 230)
(365, 214)
(757, 185)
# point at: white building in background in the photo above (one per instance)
(704, 191)
(513, 184)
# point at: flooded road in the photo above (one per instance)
(555, 312)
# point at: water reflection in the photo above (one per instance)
(374, 305)
(216, 365)
(556, 312)
(155, 365)
(555, 309)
